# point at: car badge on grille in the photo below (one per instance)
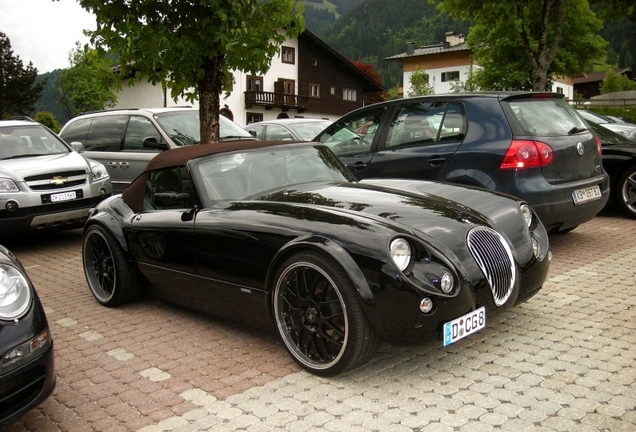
(579, 148)
(58, 180)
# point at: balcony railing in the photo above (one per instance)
(278, 100)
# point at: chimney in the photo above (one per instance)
(409, 48)
(454, 39)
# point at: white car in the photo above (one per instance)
(44, 183)
(295, 129)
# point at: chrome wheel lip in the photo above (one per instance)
(628, 192)
(91, 269)
(287, 339)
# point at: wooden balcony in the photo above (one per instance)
(277, 100)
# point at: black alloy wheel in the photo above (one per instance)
(626, 192)
(109, 277)
(319, 316)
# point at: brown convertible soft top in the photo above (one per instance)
(133, 195)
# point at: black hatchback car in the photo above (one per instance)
(530, 145)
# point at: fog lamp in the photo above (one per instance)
(536, 248)
(426, 305)
(12, 206)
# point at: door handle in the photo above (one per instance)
(112, 164)
(359, 165)
(124, 165)
(436, 160)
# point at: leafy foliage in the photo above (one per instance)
(18, 88)
(50, 92)
(89, 84)
(48, 119)
(614, 82)
(374, 97)
(420, 83)
(191, 47)
(521, 44)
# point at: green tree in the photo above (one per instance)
(18, 90)
(614, 82)
(192, 47)
(420, 85)
(523, 44)
(48, 119)
(89, 83)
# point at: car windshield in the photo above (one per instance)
(309, 130)
(546, 116)
(184, 127)
(29, 141)
(252, 174)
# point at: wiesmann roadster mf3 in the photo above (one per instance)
(283, 231)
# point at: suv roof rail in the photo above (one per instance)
(128, 109)
(20, 117)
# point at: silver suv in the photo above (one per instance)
(45, 184)
(125, 140)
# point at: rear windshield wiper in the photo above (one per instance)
(576, 130)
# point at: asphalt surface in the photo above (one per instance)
(563, 361)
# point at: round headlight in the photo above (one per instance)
(446, 283)
(15, 294)
(400, 251)
(526, 212)
(536, 248)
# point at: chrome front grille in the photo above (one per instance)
(56, 180)
(494, 257)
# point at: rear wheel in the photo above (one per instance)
(107, 271)
(319, 316)
(626, 192)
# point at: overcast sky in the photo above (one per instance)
(44, 31)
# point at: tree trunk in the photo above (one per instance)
(210, 87)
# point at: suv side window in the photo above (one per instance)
(77, 131)
(138, 129)
(175, 180)
(106, 133)
(278, 133)
(353, 135)
(426, 123)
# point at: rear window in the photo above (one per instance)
(544, 116)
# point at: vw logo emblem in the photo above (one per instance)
(579, 148)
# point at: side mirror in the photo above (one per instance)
(151, 142)
(252, 132)
(78, 147)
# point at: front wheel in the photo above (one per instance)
(626, 192)
(319, 316)
(107, 271)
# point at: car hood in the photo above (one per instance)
(20, 168)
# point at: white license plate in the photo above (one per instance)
(581, 196)
(63, 196)
(464, 325)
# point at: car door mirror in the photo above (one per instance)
(151, 142)
(78, 146)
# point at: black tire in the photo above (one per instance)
(319, 316)
(107, 271)
(625, 191)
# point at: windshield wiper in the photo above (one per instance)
(576, 130)
(223, 138)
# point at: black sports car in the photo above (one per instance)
(27, 375)
(255, 229)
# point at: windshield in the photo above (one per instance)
(183, 127)
(29, 141)
(309, 130)
(253, 174)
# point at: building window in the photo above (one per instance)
(253, 117)
(254, 83)
(288, 55)
(450, 76)
(332, 91)
(349, 94)
(314, 90)
(559, 90)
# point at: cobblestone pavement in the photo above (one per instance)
(563, 361)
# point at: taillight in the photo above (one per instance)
(527, 154)
(599, 146)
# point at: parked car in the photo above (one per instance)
(27, 371)
(628, 130)
(530, 145)
(124, 140)
(250, 230)
(293, 129)
(44, 183)
(619, 160)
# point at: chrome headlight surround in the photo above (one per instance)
(528, 215)
(8, 185)
(400, 251)
(15, 293)
(99, 171)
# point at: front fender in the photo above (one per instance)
(111, 224)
